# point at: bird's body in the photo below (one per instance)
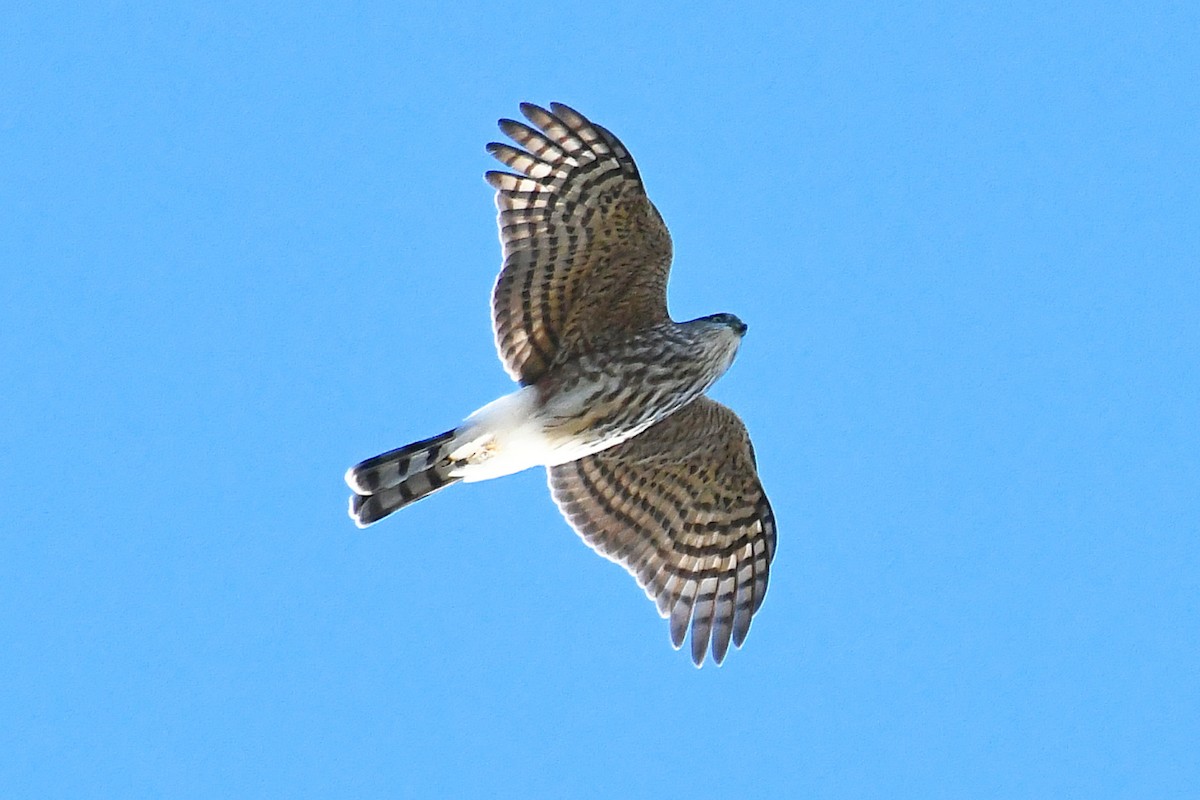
(597, 400)
(611, 388)
(585, 405)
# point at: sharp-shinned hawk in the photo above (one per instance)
(651, 473)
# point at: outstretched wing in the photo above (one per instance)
(681, 508)
(586, 254)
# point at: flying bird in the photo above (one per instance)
(650, 472)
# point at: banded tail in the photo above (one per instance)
(388, 482)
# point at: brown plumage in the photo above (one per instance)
(650, 473)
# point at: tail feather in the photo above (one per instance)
(388, 469)
(388, 482)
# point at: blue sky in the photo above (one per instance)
(246, 245)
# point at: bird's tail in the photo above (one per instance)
(387, 483)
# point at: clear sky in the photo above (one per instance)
(244, 245)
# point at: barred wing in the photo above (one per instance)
(586, 254)
(681, 508)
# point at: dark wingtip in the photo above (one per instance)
(720, 647)
(531, 109)
(495, 178)
(555, 108)
(699, 649)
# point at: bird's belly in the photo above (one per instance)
(524, 429)
(594, 418)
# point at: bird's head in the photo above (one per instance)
(718, 336)
(729, 320)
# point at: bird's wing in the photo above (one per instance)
(682, 509)
(586, 254)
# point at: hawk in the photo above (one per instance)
(651, 474)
